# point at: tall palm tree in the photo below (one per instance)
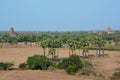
(103, 42)
(78, 46)
(72, 45)
(53, 45)
(44, 45)
(57, 44)
(84, 44)
(52, 52)
(99, 43)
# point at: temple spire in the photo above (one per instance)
(12, 32)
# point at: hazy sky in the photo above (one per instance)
(59, 15)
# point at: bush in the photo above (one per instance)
(116, 76)
(23, 66)
(73, 62)
(64, 64)
(38, 62)
(87, 68)
(71, 70)
(100, 76)
(53, 66)
(5, 65)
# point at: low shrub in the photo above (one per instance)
(53, 66)
(64, 64)
(23, 66)
(6, 65)
(100, 76)
(73, 60)
(71, 65)
(115, 76)
(71, 70)
(38, 62)
(87, 68)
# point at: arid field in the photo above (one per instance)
(105, 66)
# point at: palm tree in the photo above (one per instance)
(78, 46)
(44, 45)
(72, 45)
(52, 52)
(103, 42)
(99, 43)
(57, 44)
(84, 44)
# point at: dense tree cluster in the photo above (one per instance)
(73, 40)
(63, 36)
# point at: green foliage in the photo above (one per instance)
(110, 48)
(73, 62)
(5, 65)
(64, 64)
(52, 51)
(38, 62)
(100, 77)
(115, 76)
(71, 70)
(87, 68)
(23, 66)
(53, 66)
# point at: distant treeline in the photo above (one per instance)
(64, 36)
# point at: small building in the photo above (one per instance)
(12, 32)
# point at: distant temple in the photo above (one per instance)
(109, 30)
(12, 32)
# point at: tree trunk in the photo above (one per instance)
(72, 52)
(88, 53)
(44, 51)
(83, 53)
(57, 51)
(99, 51)
(103, 52)
(79, 52)
(52, 56)
(96, 52)
(69, 52)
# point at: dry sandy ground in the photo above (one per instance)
(39, 75)
(106, 65)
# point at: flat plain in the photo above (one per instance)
(105, 66)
